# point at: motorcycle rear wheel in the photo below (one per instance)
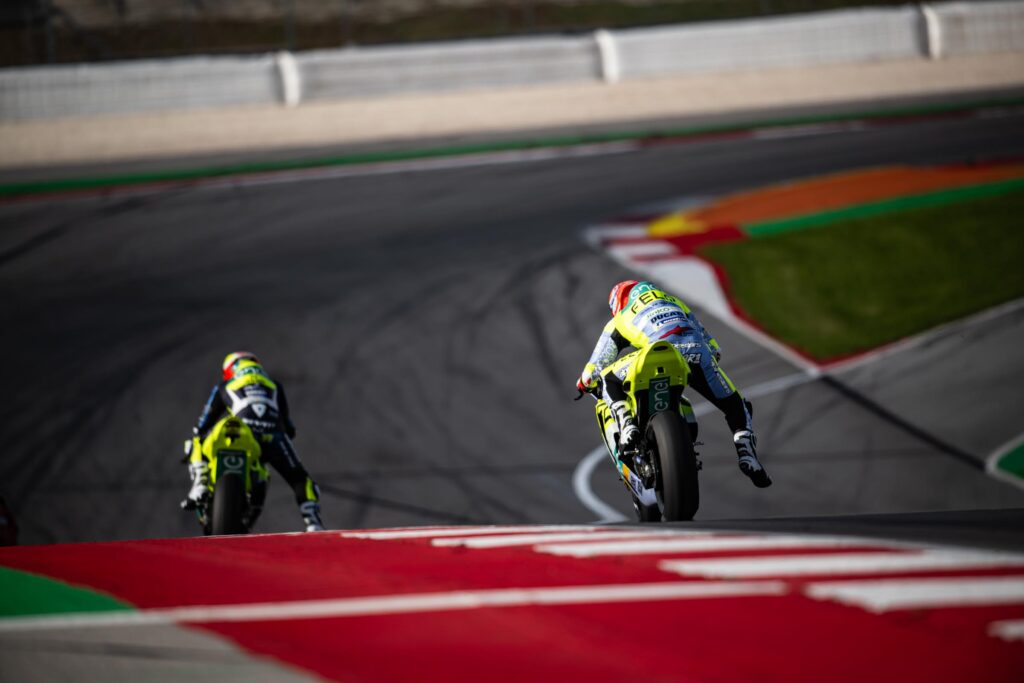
(228, 508)
(671, 450)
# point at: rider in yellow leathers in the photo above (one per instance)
(248, 393)
(643, 314)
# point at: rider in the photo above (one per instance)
(643, 314)
(248, 393)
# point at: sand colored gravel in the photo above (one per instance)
(410, 118)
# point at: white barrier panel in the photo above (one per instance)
(980, 27)
(362, 72)
(803, 40)
(151, 85)
(847, 36)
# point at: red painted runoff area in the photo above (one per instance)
(436, 606)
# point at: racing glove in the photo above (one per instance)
(586, 383)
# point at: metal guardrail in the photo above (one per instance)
(846, 36)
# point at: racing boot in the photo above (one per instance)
(628, 432)
(311, 516)
(200, 486)
(746, 451)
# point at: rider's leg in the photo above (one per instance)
(615, 397)
(712, 383)
(280, 453)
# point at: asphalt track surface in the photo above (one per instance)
(429, 327)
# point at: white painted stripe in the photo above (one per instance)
(648, 248)
(421, 165)
(403, 604)
(894, 594)
(585, 494)
(596, 236)
(699, 542)
(846, 563)
(610, 231)
(992, 462)
(1007, 630)
(389, 534)
(799, 131)
(380, 168)
(595, 534)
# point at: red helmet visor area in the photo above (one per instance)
(232, 360)
(620, 295)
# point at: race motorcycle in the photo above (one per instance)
(232, 453)
(660, 471)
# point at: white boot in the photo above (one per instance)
(628, 432)
(746, 452)
(200, 485)
(311, 516)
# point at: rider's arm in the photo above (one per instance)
(609, 344)
(286, 417)
(213, 409)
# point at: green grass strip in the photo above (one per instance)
(867, 281)
(189, 175)
(884, 206)
(1013, 462)
(23, 594)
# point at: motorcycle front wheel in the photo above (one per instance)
(671, 451)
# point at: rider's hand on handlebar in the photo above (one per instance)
(585, 385)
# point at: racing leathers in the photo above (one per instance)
(261, 404)
(652, 315)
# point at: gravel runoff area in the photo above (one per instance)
(486, 113)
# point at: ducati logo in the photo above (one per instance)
(259, 409)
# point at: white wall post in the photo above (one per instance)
(608, 53)
(932, 31)
(291, 79)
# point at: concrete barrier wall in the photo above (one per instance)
(977, 28)
(151, 85)
(362, 72)
(848, 36)
(826, 38)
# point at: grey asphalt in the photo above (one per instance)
(429, 327)
(138, 653)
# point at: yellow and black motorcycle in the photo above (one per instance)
(232, 453)
(660, 471)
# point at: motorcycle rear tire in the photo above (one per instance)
(678, 491)
(228, 508)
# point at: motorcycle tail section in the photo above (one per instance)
(232, 452)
